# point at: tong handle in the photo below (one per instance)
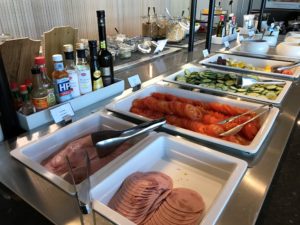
(134, 131)
(142, 126)
(271, 82)
(245, 113)
(236, 129)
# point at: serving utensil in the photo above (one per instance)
(238, 128)
(107, 141)
(280, 68)
(83, 194)
(246, 82)
(245, 113)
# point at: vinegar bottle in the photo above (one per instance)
(105, 58)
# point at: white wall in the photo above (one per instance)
(30, 18)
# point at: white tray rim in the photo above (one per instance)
(277, 101)
(207, 62)
(51, 177)
(250, 149)
(221, 200)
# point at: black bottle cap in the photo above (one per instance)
(100, 13)
(35, 70)
(93, 43)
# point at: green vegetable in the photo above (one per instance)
(226, 82)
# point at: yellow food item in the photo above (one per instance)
(268, 68)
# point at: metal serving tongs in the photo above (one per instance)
(107, 141)
(245, 82)
(243, 114)
(281, 68)
(238, 128)
(83, 193)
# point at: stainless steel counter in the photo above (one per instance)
(244, 205)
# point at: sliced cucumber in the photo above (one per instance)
(187, 72)
(271, 95)
(270, 87)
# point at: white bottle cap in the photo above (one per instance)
(68, 48)
(80, 46)
(57, 58)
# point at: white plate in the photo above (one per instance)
(35, 152)
(172, 79)
(212, 174)
(256, 62)
(123, 106)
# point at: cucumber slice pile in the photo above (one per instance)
(226, 82)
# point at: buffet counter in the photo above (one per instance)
(246, 201)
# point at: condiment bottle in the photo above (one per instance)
(39, 92)
(40, 61)
(221, 28)
(61, 80)
(105, 58)
(16, 95)
(84, 73)
(28, 84)
(95, 67)
(71, 70)
(27, 106)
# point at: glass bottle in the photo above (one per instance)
(94, 65)
(71, 70)
(39, 92)
(40, 61)
(105, 58)
(61, 80)
(16, 95)
(221, 28)
(27, 106)
(28, 84)
(84, 73)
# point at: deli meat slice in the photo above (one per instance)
(75, 150)
(181, 207)
(140, 194)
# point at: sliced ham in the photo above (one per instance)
(75, 150)
(140, 194)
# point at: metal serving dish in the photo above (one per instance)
(123, 106)
(192, 68)
(256, 62)
(212, 174)
(271, 54)
(34, 153)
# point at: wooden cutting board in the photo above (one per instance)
(54, 40)
(18, 58)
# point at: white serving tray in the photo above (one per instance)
(34, 153)
(212, 174)
(172, 79)
(271, 53)
(256, 62)
(39, 118)
(123, 106)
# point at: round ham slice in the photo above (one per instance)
(140, 194)
(186, 200)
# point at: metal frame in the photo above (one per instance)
(211, 14)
